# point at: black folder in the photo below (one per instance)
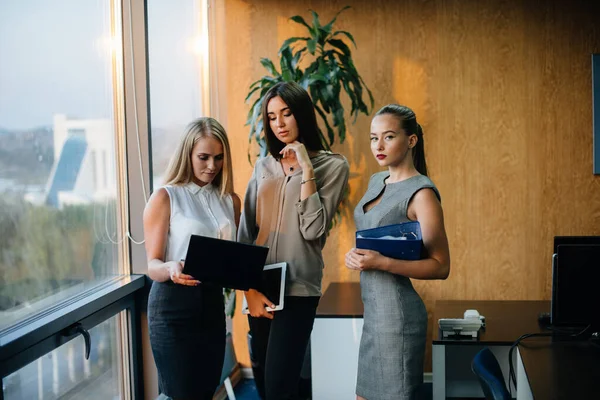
(225, 263)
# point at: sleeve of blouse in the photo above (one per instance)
(248, 230)
(316, 211)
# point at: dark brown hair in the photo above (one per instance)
(408, 122)
(301, 106)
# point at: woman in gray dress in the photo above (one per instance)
(392, 347)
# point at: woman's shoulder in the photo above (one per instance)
(424, 182)
(330, 159)
(162, 192)
(267, 163)
(174, 190)
(160, 198)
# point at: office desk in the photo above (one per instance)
(505, 321)
(335, 340)
(549, 370)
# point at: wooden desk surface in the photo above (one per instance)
(341, 300)
(505, 321)
(562, 370)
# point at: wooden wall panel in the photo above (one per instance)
(503, 91)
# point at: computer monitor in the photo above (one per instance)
(558, 240)
(575, 280)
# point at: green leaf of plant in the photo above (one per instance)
(330, 24)
(256, 111)
(287, 42)
(257, 88)
(296, 58)
(323, 34)
(348, 35)
(322, 66)
(259, 128)
(299, 20)
(316, 78)
(340, 45)
(286, 64)
(315, 20)
(353, 99)
(254, 83)
(338, 120)
(327, 99)
(311, 45)
(330, 132)
(368, 91)
(268, 64)
(250, 118)
(358, 90)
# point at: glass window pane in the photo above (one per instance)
(66, 374)
(58, 185)
(175, 49)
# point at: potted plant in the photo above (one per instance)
(331, 71)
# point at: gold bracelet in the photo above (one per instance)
(308, 180)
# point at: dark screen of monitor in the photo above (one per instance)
(576, 291)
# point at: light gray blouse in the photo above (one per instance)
(294, 230)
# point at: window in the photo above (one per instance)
(177, 56)
(65, 373)
(63, 269)
(58, 221)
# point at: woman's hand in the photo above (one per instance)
(299, 151)
(256, 304)
(178, 277)
(363, 260)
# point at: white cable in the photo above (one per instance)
(97, 235)
(133, 240)
(108, 234)
(139, 147)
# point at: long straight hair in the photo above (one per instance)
(180, 170)
(303, 110)
(408, 122)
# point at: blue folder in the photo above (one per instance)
(405, 243)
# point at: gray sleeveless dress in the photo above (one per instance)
(392, 347)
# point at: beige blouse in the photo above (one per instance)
(295, 231)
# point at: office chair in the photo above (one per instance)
(485, 366)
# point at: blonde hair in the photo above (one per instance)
(180, 171)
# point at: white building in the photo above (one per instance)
(84, 163)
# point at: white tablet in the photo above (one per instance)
(273, 286)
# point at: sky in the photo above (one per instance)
(55, 58)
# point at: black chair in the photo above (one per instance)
(485, 366)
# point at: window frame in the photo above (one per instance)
(26, 342)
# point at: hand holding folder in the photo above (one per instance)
(399, 241)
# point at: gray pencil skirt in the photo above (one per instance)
(392, 347)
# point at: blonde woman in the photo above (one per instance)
(186, 317)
